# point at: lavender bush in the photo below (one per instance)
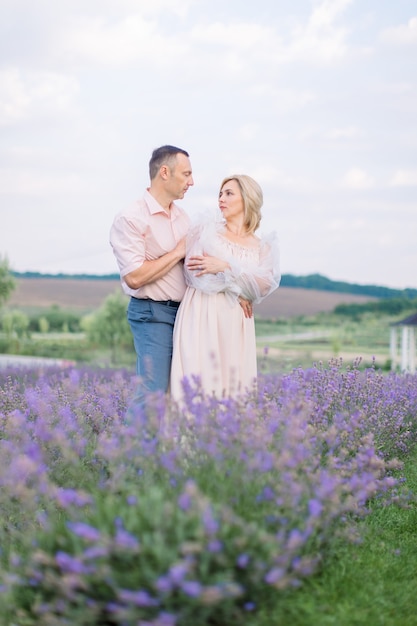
(185, 515)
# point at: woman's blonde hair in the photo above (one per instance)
(252, 199)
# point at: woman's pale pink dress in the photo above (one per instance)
(213, 341)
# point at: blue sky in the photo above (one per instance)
(317, 100)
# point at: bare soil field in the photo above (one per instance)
(290, 302)
(68, 293)
(89, 294)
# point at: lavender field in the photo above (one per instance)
(192, 515)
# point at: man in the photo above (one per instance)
(148, 240)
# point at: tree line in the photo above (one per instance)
(311, 281)
(322, 283)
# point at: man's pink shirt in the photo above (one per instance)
(145, 231)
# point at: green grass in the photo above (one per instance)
(372, 583)
(292, 342)
(302, 341)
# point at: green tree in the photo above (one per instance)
(43, 324)
(108, 327)
(7, 282)
(15, 326)
(62, 320)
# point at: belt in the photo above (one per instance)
(171, 303)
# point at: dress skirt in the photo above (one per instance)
(215, 342)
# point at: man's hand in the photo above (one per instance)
(180, 248)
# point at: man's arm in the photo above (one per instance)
(150, 271)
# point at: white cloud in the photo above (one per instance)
(268, 174)
(357, 178)
(247, 132)
(282, 99)
(33, 183)
(232, 48)
(400, 89)
(282, 91)
(326, 12)
(154, 7)
(404, 178)
(136, 33)
(346, 132)
(405, 34)
(14, 99)
(247, 47)
(344, 225)
(24, 95)
(321, 40)
(240, 35)
(130, 39)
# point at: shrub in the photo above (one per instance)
(56, 319)
(186, 514)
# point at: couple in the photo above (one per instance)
(192, 287)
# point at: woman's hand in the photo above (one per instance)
(246, 306)
(204, 264)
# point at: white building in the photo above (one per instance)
(403, 344)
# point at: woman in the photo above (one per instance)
(227, 269)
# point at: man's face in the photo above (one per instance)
(181, 177)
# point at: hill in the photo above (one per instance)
(322, 283)
(86, 294)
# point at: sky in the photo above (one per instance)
(315, 99)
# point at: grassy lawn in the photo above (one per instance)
(283, 344)
(372, 583)
(300, 342)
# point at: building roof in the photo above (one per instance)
(411, 320)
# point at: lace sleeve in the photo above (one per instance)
(252, 276)
(202, 240)
(257, 280)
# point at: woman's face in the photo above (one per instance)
(231, 200)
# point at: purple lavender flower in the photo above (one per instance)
(69, 497)
(178, 572)
(243, 560)
(163, 619)
(274, 575)
(85, 531)
(126, 540)
(191, 588)
(211, 525)
(138, 598)
(184, 501)
(215, 545)
(315, 507)
(71, 565)
(95, 552)
(164, 584)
